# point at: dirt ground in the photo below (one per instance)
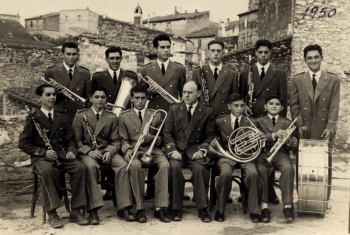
(14, 218)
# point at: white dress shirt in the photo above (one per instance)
(193, 107)
(46, 112)
(212, 68)
(67, 67)
(111, 72)
(266, 66)
(166, 63)
(318, 75)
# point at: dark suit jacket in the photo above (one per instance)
(105, 131)
(172, 81)
(130, 127)
(80, 85)
(317, 110)
(60, 135)
(188, 137)
(220, 90)
(105, 80)
(274, 83)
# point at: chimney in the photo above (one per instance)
(185, 11)
(149, 25)
(195, 11)
(176, 10)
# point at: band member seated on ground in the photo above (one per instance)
(225, 125)
(63, 153)
(132, 124)
(103, 127)
(188, 130)
(274, 126)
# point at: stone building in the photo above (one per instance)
(10, 17)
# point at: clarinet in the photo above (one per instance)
(250, 84)
(90, 131)
(42, 132)
(204, 85)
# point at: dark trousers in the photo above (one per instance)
(200, 181)
(223, 184)
(282, 163)
(49, 175)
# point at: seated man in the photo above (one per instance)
(188, 130)
(225, 125)
(131, 125)
(61, 152)
(274, 126)
(96, 134)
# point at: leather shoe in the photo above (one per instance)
(54, 220)
(141, 216)
(126, 215)
(204, 215)
(274, 200)
(255, 218)
(76, 217)
(229, 200)
(162, 215)
(186, 197)
(265, 215)
(108, 195)
(176, 215)
(93, 218)
(219, 217)
(288, 214)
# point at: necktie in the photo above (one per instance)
(189, 112)
(140, 116)
(216, 73)
(262, 74)
(273, 121)
(97, 116)
(314, 82)
(115, 78)
(70, 74)
(236, 124)
(163, 69)
(50, 118)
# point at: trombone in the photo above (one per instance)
(146, 158)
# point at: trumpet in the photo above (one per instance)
(204, 85)
(280, 142)
(160, 90)
(146, 158)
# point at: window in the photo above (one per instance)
(66, 18)
(79, 17)
(31, 23)
(153, 26)
(199, 43)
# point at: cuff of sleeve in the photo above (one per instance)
(110, 149)
(299, 122)
(126, 147)
(332, 126)
(40, 152)
(170, 148)
(73, 150)
(85, 149)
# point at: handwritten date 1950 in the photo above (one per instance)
(322, 13)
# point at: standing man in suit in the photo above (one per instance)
(131, 125)
(103, 127)
(225, 125)
(188, 131)
(220, 80)
(75, 78)
(268, 80)
(171, 76)
(44, 160)
(314, 100)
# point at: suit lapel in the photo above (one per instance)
(169, 73)
(306, 81)
(279, 124)
(107, 79)
(101, 122)
(76, 78)
(268, 123)
(256, 78)
(119, 83)
(57, 117)
(196, 118)
(158, 76)
(63, 74)
(134, 117)
(209, 77)
(221, 78)
(322, 83)
(270, 73)
(91, 117)
(182, 114)
(43, 120)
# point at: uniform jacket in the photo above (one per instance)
(80, 85)
(188, 137)
(105, 80)
(105, 131)
(274, 83)
(60, 135)
(172, 81)
(130, 127)
(220, 90)
(317, 110)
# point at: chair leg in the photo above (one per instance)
(34, 195)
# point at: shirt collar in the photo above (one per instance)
(67, 67)
(193, 106)
(212, 67)
(142, 111)
(111, 72)
(266, 67)
(233, 118)
(166, 63)
(270, 116)
(46, 112)
(318, 75)
(96, 112)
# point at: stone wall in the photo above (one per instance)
(248, 30)
(253, 5)
(333, 35)
(52, 23)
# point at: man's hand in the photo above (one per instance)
(176, 155)
(302, 132)
(106, 158)
(51, 154)
(128, 155)
(58, 88)
(326, 134)
(247, 112)
(198, 155)
(70, 156)
(152, 90)
(95, 154)
(281, 134)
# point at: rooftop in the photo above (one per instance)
(209, 31)
(44, 16)
(177, 16)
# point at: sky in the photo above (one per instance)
(124, 9)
